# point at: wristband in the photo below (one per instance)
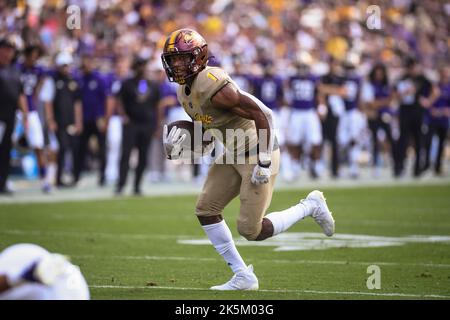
(264, 165)
(264, 160)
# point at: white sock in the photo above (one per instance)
(283, 220)
(296, 167)
(286, 166)
(220, 236)
(354, 156)
(51, 173)
(318, 167)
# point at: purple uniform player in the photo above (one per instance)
(32, 77)
(269, 89)
(93, 89)
(244, 81)
(352, 123)
(380, 98)
(303, 91)
(439, 120)
(305, 130)
(93, 92)
(353, 86)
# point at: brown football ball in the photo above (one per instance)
(187, 127)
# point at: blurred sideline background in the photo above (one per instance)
(244, 37)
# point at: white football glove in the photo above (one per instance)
(45, 271)
(173, 142)
(261, 175)
(50, 268)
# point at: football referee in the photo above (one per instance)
(139, 98)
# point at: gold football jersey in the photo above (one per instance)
(242, 137)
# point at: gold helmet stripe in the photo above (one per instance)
(172, 39)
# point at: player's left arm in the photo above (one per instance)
(23, 106)
(11, 280)
(45, 271)
(249, 107)
(78, 114)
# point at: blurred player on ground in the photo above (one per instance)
(29, 272)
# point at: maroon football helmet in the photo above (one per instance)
(185, 54)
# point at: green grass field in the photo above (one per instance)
(129, 248)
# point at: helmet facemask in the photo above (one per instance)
(182, 65)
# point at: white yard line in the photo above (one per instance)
(91, 234)
(179, 237)
(387, 294)
(147, 217)
(280, 261)
(162, 258)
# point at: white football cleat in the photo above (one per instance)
(244, 280)
(321, 214)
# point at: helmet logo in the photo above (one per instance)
(188, 38)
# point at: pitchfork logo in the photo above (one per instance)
(187, 38)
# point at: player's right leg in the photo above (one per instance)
(51, 150)
(314, 206)
(357, 125)
(255, 199)
(35, 137)
(114, 139)
(290, 165)
(313, 138)
(221, 186)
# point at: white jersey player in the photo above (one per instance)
(29, 272)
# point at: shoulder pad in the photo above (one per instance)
(210, 80)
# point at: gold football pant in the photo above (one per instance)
(225, 181)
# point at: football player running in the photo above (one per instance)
(209, 95)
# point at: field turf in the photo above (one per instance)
(128, 248)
